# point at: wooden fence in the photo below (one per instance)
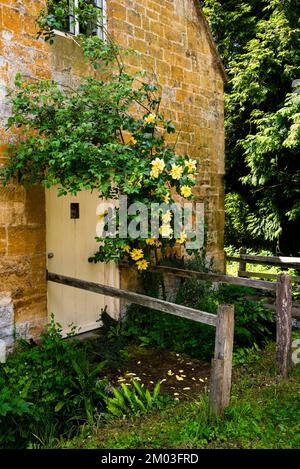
(220, 381)
(284, 262)
(223, 321)
(283, 291)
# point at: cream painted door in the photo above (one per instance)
(70, 242)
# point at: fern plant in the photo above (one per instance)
(133, 400)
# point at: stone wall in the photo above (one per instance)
(175, 47)
(22, 213)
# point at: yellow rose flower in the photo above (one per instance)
(126, 248)
(191, 165)
(102, 215)
(142, 265)
(166, 231)
(186, 191)
(182, 239)
(137, 254)
(158, 165)
(133, 141)
(167, 217)
(151, 241)
(155, 173)
(176, 171)
(150, 119)
(166, 198)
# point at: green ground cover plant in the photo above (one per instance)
(264, 414)
(47, 389)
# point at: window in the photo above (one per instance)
(86, 23)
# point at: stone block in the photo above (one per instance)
(6, 318)
(25, 240)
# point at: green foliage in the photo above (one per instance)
(259, 44)
(243, 356)
(264, 414)
(254, 324)
(134, 400)
(107, 134)
(47, 389)
(13, 412)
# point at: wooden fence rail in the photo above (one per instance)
(284, 262)
(283, 290)
(218, 278)
(220, 382)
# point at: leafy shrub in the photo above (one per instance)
(13, 409)
(253, 323)
(47, 389)
(132, 401)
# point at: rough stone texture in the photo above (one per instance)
(174, 46)
(22, 213)
(6, 319)
(176, 49)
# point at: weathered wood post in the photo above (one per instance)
(283, 323)
(220, 381)
(242, 264)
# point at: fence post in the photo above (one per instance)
(220, 381)
(242, 264)
(283, 323)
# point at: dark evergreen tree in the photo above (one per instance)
(259, 44)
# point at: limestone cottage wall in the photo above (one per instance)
(176, 48)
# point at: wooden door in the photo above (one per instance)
(70, 233)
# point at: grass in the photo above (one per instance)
(264, 413)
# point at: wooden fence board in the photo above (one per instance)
(137, 298)
(260, 284)
(284, 323)
(285, 262)
(220, 383)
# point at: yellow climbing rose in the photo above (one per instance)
(186, 191)
(182, 239)
(142, 264)
(176, 171)
(166, 198)
(191, 165)
(151, 241)
(167, 217)
(166, 231)
(133, 141)
(137, 254)
(126, 248)
(150, 119)
(102, 215)
(158, 165)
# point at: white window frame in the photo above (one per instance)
(101, 29)
(74, 27)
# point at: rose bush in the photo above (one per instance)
(106, 134)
